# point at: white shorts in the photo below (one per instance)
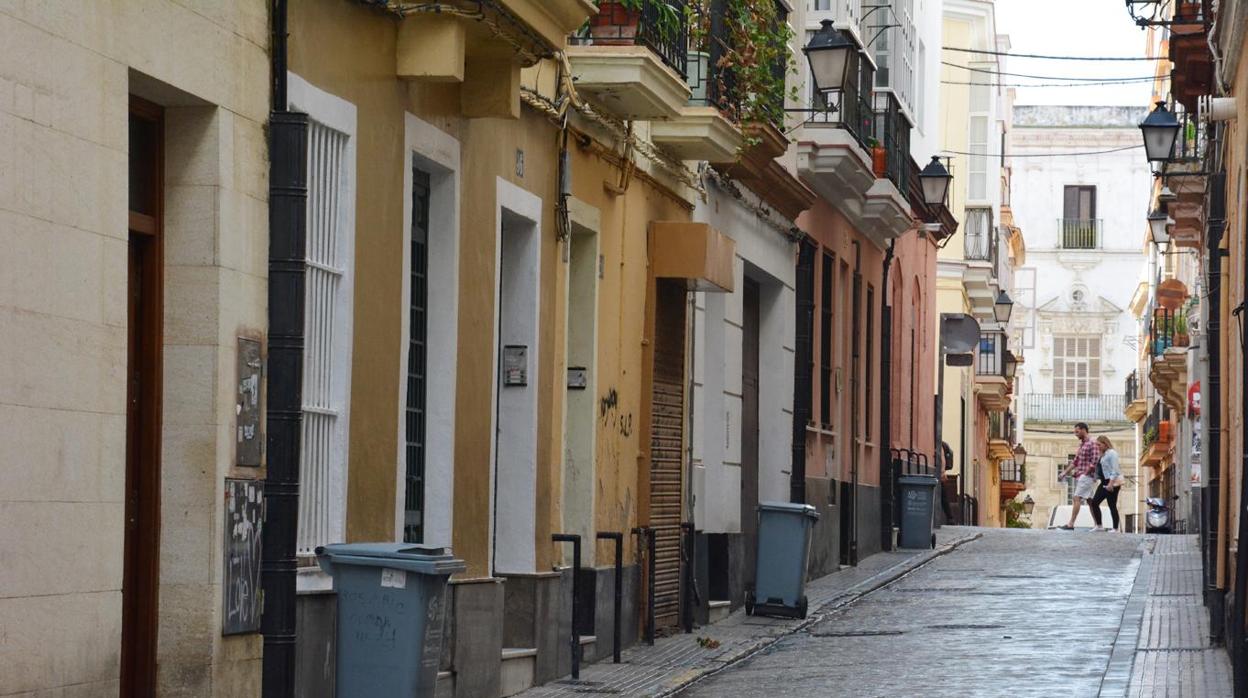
(1085, 487)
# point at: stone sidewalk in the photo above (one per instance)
(675, 662)
(1163, 646)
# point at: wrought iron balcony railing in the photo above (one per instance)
(1012, 472)
(1131, 390)
(1068, 409)
(892, 130)
(1080, 233)
(660, 25)
(851, 109)
(1157, 425)
(1161, 331)
(990, 360)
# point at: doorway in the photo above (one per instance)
(580, 417)
(140, 574)
(751, 316)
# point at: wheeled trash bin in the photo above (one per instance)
(391, 603)
(784, 532)
(918, 510)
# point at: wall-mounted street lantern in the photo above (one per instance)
(1166, 197)
(935, 179)
(828, 53)
(1003, 307)
(1160, 129)
(1029, 505)
(1020, 456)
(1010, 364)
(1158, 224)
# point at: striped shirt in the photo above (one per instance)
(1085, 459)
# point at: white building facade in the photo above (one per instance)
(1086, 219)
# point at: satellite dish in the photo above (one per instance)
(959, 333)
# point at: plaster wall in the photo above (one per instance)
(63, 217)
(912, 294)
(331, 45)
(763, 255)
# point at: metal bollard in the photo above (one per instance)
(575, 642)
(619, 590)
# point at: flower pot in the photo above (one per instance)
(1163, 432)
(614, 25)
(699, 71)
(1181, 340)
(879, 161)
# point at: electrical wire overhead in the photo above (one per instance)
(1045, 155)
(1124, 81)
(1056, 58)
(1043, 77)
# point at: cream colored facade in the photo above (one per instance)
(70, 69)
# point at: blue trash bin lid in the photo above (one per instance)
(789, 508)
(404, 556)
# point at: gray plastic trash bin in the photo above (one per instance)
(390, 615)
(783, 552)
(918, 509)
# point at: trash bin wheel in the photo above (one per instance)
(749, 603)
(933, 541)
(801, 608)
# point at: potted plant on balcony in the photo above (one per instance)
(879, 158)
(617, 21)
(1180, 330)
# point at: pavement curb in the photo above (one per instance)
(1117, 677)
(863, 588)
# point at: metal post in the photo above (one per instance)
(647, 533)
(575, 641)
(691, 598)
(619, 590)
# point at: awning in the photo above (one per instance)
(695, 252)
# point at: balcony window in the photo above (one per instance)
(1077, 365)
(991, 358)
(854, 109)
(978, 127)
(981, 239)
(892, 130)
(1079, 226)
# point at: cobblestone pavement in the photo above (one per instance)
(1016, 612)
(675, 661)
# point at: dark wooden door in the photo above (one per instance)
(140, 575)
(667, 436)
(751, 316)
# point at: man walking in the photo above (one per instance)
(1082, 467)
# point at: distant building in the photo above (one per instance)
(1085, 218)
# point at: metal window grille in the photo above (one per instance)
(417, 364)
(825, 341)
(869, 393)
(323, 454)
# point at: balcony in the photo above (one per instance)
(1134, 407)
(1158, 436)
(991, 384)
(981, 250)
(707, 127)
(835, 156)
(1068, 409)
(633, 63)
(1080, 233)
(1013, 479)
(1167, 351)
(1189, 50)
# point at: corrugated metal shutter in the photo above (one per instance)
(667, 449)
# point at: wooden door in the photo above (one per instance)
(667, 436)
(140, 576)
(751, 316)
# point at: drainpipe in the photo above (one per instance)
(1211, 405)
(1240, 661)
(288, 198)
(803, 367)
(855, 365)
(886, 408)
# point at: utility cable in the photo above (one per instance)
(1041, 77)
(1124, 81)
(1045, 155)
(1056, 58)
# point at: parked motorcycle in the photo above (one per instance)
(1158, 518)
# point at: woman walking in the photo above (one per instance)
(1110, 476)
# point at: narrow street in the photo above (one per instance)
(1016, 612)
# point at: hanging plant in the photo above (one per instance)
(753, 59)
